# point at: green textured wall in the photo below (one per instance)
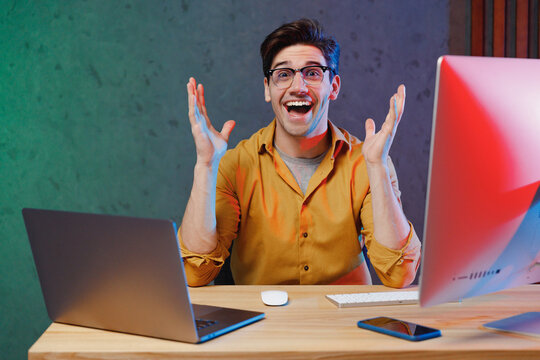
(93, 110)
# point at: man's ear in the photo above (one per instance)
(266, 90)
(336, 85)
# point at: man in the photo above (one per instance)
(294, 198)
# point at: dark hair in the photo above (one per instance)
(303, 31)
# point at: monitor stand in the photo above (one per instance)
(524, 324)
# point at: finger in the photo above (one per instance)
(200, 91)
(402, 91)
(227, 129)
(370, 127)
(201, 102)
(191, 103)
(392, 111)
(202, 107)
(389, 125)
(191, 88)
(193, 85)
(400, 106)
(392, 126)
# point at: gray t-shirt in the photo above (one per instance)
(302, 169)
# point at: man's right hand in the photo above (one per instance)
(198, 230)
(210, 144)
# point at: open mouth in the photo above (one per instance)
(299, 107)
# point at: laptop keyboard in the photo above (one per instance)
(202, 323)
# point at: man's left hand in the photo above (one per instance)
(377, 144)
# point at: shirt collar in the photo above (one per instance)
(338, 139)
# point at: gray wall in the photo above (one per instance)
(93, 106)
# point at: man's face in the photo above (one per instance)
(309, 119)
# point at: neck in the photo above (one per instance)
(304, 147)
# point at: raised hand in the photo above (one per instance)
(210, 144)
(377, 144)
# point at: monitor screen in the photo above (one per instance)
(482, 220)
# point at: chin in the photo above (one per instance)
(296, 128)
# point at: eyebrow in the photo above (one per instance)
(285, 63)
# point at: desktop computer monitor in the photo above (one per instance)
(482, 220)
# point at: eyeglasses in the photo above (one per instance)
(312, 75)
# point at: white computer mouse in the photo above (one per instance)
(274, 297)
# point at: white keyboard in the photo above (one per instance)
(374, 298)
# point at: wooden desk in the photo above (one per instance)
(312, 327)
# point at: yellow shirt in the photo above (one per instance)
(282, 236)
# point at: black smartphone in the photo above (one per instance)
(399, 328)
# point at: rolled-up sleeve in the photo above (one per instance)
(395, 268)
(201, 269)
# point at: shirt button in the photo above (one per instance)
(306, 268)
(305, 234)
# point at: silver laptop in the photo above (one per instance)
(122, 274)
